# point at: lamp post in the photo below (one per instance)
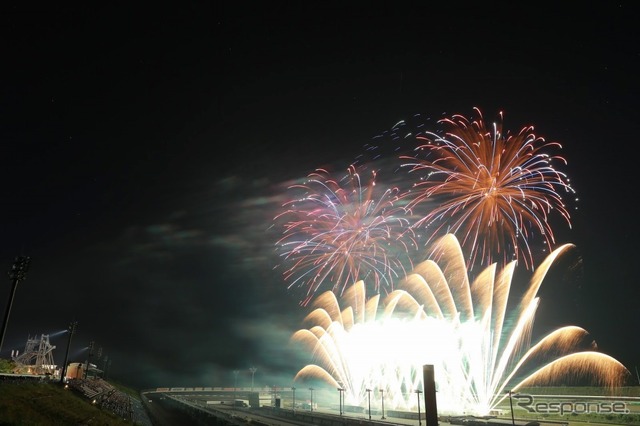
(235, 384)
(513, 420)
(311, 390)
(253, 373)
(293, 389)
(382, 399)
(340, 390)
(369, 395)
(418, 392)
(71, 330)
(18, 273)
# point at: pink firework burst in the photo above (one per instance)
(337, 232)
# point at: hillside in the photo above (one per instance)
(46, 403)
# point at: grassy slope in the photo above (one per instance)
(49, 404)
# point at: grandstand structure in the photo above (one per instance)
(37, 357)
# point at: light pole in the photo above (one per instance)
(340, 390)
(18, 273)
(235, 384)
(382, 399)
(253, 373)
(513, 420)
(274, 395)
(311, 390)
(369, 395)
(293, 389)
(71, 330)
(418, 391)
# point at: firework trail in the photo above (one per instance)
(337, 232)
(495, 191)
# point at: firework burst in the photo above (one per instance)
(340, 231)
(495, 191)
(479, 342)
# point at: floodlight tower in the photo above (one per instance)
(86, 372)
(37, 355)
(71, 330)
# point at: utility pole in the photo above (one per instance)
(17, 273)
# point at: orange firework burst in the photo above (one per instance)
(495, 191)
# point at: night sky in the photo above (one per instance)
(146, 150)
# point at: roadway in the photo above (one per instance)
(206, 408)
(184, 409)
(187, 410)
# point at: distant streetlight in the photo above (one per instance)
(418, 391)
(71, 330)
(369, 395)
(293, 389)
(513, 420)
(253, 373)
(311, 390)
(340, 390)
(17, 273)
(235, 384)
(382, 399)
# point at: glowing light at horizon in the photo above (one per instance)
(479, 347)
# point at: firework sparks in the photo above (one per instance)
(478, 346)
(495, 191)
(341, 231)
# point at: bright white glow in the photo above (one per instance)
(436, 317)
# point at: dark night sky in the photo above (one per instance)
(143, 149)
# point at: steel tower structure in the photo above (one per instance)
(37, 357)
